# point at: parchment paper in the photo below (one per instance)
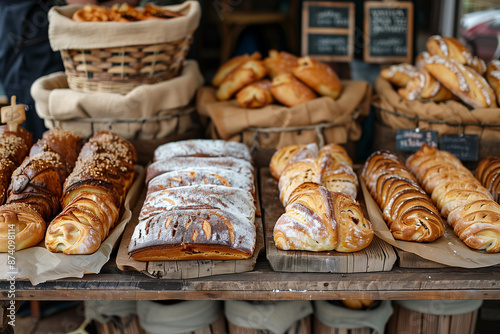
(448, 250)
(39, 265)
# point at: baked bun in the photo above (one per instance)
(280, 62)
(317, 219)
(425, 86)
(493, 77)
(30, 226)
(256, 95)
(231, 65)
(318, 76)
(289, 91)
(449, 48)
(462, 81)
(250, 71)
(478, 65)
(399, 75)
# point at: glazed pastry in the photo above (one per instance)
(399, 75)
(290, 91)
(424, 86)
(30, 226)
(462, 81)
(250, 71)
(407, 210)
(231, 65)
(317, 219)
(202, 148)
(256, 95)
(488, 173)
(318, 76)
(449, 48)
(280, 62)
(468, 207)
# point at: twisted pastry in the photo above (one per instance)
(407, 210)
(317, 219)
(29, 226)
(488, 173)
(399, 75)
(425, 86)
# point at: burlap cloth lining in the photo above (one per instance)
(147, 112)
(452, 117)
(64, 33)
(332, 121)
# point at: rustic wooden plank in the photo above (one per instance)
(378, 256)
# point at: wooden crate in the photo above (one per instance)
(407, 321)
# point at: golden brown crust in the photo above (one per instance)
(488, 173)
(280, 62)
(231, 65)
(290, 154)
(256, 95)
(29, 226)
(449, 48)
(289, 91)
(249, 72)
(425, 86)
(318, 76)
(399, 75)
(121, 13)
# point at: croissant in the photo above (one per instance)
(256, 95)
(488, 173)
(92, 195)
(319, 76)
(250, 71)
(290, 91)
(280, 62)
(317, 219)
(29, 226)
(462, 81)
(467, 205)
(290, 154)
(407, 210)
(231, 65)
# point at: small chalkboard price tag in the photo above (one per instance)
(328, 30)
(410, 140)
(388, 28)
(464, 147)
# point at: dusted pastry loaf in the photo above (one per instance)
(467, 205)
(93, 194)
(38, 183)
(317, 219)
(407, 210)
(199, 205)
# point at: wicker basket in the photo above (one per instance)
(120, 69)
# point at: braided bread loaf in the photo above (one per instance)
(93, 194)
(467, 205)
(317, 219)
(407, 210)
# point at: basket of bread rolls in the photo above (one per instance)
(280, 99)
(448, 90)
(116, 49)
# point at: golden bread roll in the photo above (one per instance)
(250, 71)
(468, 206)
(407, 210)
(231, 65)
(317, 219)
(419, 60)
(462, 81)
(29, 226)
(290, 154)
(289, 91)
(478, 65)
(399, 75)
(449, 48)
(360, 304)
(280, 62)
(426, 87)
(488, 173)
(256, 95)
(318, 76)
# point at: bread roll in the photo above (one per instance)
(290, 91)
(478, 65)
(449, 48)
(318, 76)
(280, 62)
(93, 194)
(399, 75)
(256, 95)
(469, 208)
(426, 87)
(407, 210)
(317, 219)
(231, 65)
(462, 81)
(250, 71)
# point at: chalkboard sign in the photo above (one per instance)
(328, 30)
(410, 140)
(388, 31)
(464, 147)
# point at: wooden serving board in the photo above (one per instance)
(188, 268)
(378, 256)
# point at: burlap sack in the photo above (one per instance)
(322, 120)
(145, 113)
(64, 33)
(453, 117)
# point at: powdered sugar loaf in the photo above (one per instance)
(202, 148)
